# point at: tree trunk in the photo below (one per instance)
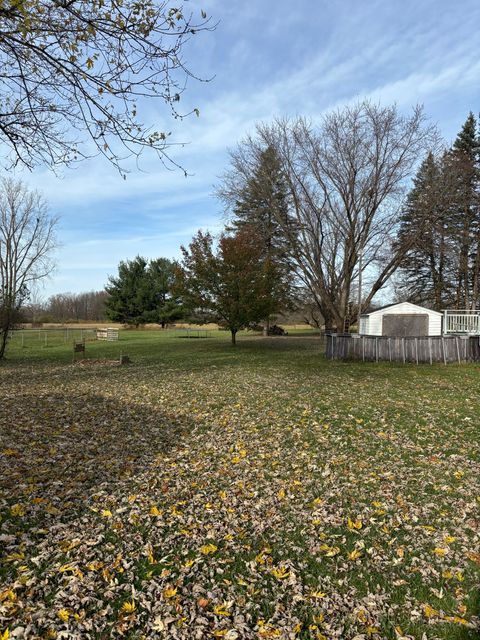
(234, 336)
(3, 343)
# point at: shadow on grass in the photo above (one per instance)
(56, 451)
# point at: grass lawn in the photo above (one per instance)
(259, 492)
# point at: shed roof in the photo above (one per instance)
(398, 304)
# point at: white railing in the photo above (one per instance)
(461, 321)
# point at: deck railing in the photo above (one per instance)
(460, 321)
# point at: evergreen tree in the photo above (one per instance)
(426, 268)
(167, 306)
(463, 169)
(262, 207)
(440, 227)
(130, 292)
(143, 292)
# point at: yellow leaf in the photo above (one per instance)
(456, 619)
(129, 607)
(5, 635)
(429, 611)
(206, 549)
(170, 592)
(154, 511)
(280, 573)
(106, 513)
(329, 551)
(440, 552)
(354, 524)
(63, 614)
(17, 510)
(221, 610)
(354, 555)
(318, 594)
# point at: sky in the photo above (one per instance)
(266, 58)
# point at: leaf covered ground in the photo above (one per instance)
(258, 492)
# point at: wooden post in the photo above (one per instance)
(376, 349)
(458, 350)
(443, 349)
(430, 348)
(403, 345)
(416, 350)
(363, 348)
(389, 349)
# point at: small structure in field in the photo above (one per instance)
(107, 333)
(401, 320)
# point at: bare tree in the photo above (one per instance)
(85, 66)
(346, 181)
(27, 240)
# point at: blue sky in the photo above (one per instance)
(270, 58)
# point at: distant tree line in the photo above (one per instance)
(88, 306)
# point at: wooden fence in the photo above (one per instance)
(427, 349)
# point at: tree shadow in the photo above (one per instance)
(57, 451)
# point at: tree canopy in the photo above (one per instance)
(231, 282)
(143, 292)
(345, 180)
(81, 68)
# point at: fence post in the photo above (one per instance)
(430, 348)
(389, 349)
(403, 349)
(443, 349)
(416, 350)
(363, 348)
(458, 349)
(376, 349)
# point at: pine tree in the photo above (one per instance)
(440, 226)
(143, 292)
(262, 207)
(465, 177)
(423, 234)
(130, 293)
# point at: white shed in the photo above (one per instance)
(401, 319)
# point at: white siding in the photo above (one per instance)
(435, 325)
(363, 328)
(373, 322)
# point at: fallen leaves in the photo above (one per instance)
(223, 503)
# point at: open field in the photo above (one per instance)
(259, 492)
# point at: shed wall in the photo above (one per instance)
(373, 326)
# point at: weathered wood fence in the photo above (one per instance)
(427, 349)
